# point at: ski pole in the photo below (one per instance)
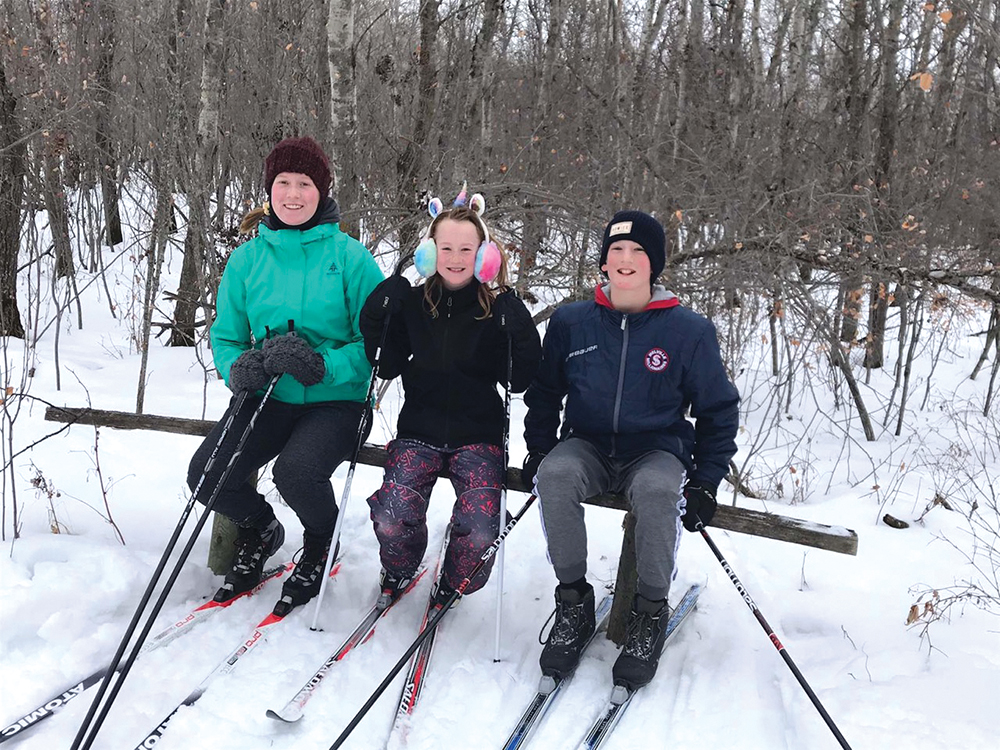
(503, 496)
(122, 672)
(365, 423)
(774, 639)
(431, 625)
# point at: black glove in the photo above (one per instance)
(701, 505)
(387, 298)
(290, 353)
(510, 314)
(530, 468)
(247, 373)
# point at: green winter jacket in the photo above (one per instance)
(319, 278)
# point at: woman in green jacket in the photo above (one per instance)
(288, 305)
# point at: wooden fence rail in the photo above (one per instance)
(728, 517)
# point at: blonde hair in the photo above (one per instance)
(434, 286)
(253, 218)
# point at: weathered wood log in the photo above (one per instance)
(730, 518)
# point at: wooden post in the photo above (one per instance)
(626, 583)
(222, 548)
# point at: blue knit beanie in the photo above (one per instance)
(642, 229)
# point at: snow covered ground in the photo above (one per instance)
(66, 598)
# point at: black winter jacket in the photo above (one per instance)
(629, 380)
(450, 365)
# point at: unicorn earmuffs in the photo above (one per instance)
(487, 256)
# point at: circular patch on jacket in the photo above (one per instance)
(657, 360)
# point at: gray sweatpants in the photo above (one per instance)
(575, 470)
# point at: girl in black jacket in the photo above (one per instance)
(448, 339)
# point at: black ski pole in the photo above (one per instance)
(365, 420)
(92, 723)
(774, 639)
(431, 625)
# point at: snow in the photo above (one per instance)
(67, 597)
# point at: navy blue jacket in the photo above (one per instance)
(629, 380)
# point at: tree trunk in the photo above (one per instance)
(154, 264)
(12, 170)
(480, 85)
(52, 148)
(198, 240)
(855, 104)
(535, 228)
(410, 164)
(878, 303)
(343, 106)
(107, 163)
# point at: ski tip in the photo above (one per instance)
(286, 715)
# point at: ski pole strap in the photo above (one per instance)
(431, 625)
(774, 638)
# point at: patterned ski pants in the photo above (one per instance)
(399, 507)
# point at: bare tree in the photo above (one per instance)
(343, 104)
(12, 170)
(106, 88)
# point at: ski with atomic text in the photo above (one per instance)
(167, 635)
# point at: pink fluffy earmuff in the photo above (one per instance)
(487, 256)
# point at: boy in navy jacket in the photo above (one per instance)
(631, 366)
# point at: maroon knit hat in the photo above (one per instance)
(302, 155)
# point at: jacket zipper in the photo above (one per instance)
(621, 384)
(447, 327)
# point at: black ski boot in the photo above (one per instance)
(573, 627)
(253, 547)
(304, 582)
(644, 636)
(392, 587)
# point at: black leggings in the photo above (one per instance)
(309, 440)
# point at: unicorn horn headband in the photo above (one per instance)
(488, 258)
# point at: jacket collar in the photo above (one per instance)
(293, 237)
(661, 299)
(462, 298)
(327, 212)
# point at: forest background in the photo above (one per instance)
(829, 173)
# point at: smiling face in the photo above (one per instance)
(457, 243)
(627, 267)
(294, 198)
